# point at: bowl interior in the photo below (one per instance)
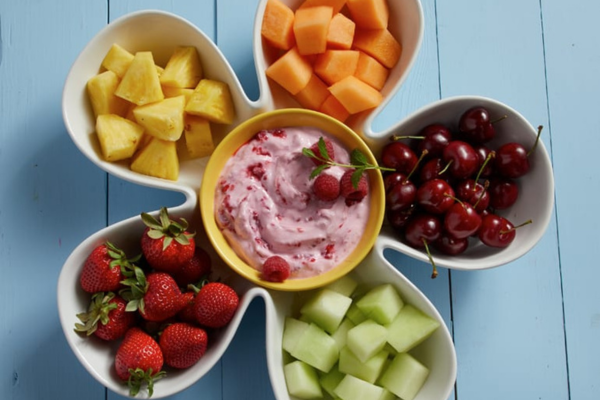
(536, 189)
(242, 134)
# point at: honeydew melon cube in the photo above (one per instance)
(405, 376)
(341, 334)
(366, 339)
(409, 328)
(344, 285)
(330, 380)
(353, 388)
(387, 395)
(367, 371)
(327, 309)
(355, 315)
(316, 348)
(381, 304)
(292, 331)
(302, 380)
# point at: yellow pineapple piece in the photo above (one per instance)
(158, 158)
(170, 91)
(212, 100)
(163, 119)
(119, 137)
(140, 84)
(183, 69)
(198, 137)
(117, 60)
(101, 92)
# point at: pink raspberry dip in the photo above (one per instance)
(264, 204)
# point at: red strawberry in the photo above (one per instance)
(188, 312)
(102, 270)
(183, 344)
(326, 187)
(353, 193)
(139, 359)
(275, 269)
(215, 305)
(327, 146)
(106, 317)
(199, 266)
(167, 244)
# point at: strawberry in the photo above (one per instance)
(275, 269)
(183, 344)
(199, 266)
(188, 312)
(353, 193)
(106, 317)
(139, 359)
(103, 269)
(167, 244)
(326, 187)
(323, 150)
(215, 305)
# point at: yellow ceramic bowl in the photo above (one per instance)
(280, 119)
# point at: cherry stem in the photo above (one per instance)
(537, 139)
(445, 168)
(499, 119)
(423, 154)
(456, 199)
(398, 137)
(485, 163)
(518, 226)
(434, 274)
(486, 185)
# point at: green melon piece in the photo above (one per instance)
(355, 315)
(341, 334)
(302, 380)
(292, 331)
(327, 309)
(405, 376)
(330, 380)
(316, 348)
(367, 371)
(387, 395)
(366, 339)
(344, 285)
(410, 328)
(353, 388)
(381, 304)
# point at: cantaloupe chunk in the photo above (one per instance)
(369, 14)
(355, 95)
(291, 71)
(313, 94)
(341, 32)
(379, 44)
(332, 107)
(277, 25)
(336, 5)
(371, 71)
(311, 25)
(334, 65)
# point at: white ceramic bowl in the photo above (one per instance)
(536, 189)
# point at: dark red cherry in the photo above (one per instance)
(463, 159)
(432, 169)
(473, 193)
(461, 220)
(476, 126)
(511, 160)
(421, 229)
(483, 152)
(435, 196)
(496, 231)
(503, 193)
(399, 218)
(450, 245)
(401, 196)
(399, 156)
(435, 138)
(392, 179)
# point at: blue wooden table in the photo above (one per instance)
(527, 330)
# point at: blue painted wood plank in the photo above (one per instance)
(51, 197)
(572, 65)
(508, 321)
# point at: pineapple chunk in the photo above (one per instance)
(117, 60)
(141, 84)
(119, 137)
(212, 100)
(163, 119)
(158, 158)
(183, 69)
(101, 92)
(170, 91)
(198, 137)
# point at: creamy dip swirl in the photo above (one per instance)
(264, 204)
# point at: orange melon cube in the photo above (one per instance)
(332, 107)
(379, 44)
(291, 71)
(369, 14)
(370, 71)
(334, 65)
(314, 94)
(311, 25)
(336, 5)
(355, 95)
(277, 25)
(341, 32)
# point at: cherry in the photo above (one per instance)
(399, 156)
(461, 220)
(497, 231)
(483, 153)
(461, 158)
(422, 230)
(512, 159)
(401, 195)
(432, 169)
(503, 193)
(435, 196)
(399, 218)
(473, 193)
(392, 179)
(450, 245)
(476, 126)
(435, 138)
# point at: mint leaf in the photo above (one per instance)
(323, 149)
(356, 175)
(318, 170)
(358, 158)
(308, 153)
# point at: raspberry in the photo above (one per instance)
(326, 187)
(315, 149)
(275, 269)
(349, 192)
